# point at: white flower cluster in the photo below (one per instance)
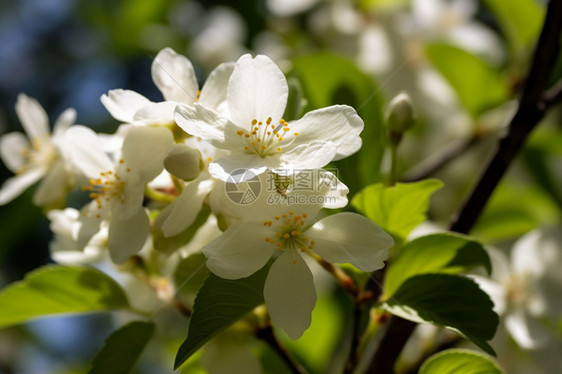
(227, 147)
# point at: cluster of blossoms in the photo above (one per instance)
(201, 149)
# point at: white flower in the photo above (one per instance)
(64, 248)
(528, 288)
(174, 76)
(289, 293)
(257, 136)
(117, 186)
(35, 157)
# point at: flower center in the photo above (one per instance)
(289, 232)
(108, 187)
(40, 154)
(265, 139)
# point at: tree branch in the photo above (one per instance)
(267, 335)
(531, 110)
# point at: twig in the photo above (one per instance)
(531, 110)
(267, 335)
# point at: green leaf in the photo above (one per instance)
(123, 348)
(459, 361)
(450, 301)
(191, 273)
(520, 20)
(436, 253)
(478, 86)
(56, 289)
(397, 209)
(169, 245)
(220, 303)
(329, 79)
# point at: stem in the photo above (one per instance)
(344, 280)
(532, 107)
(393, 177)
(267, 335)
(353, 357)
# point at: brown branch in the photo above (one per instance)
(531, 110)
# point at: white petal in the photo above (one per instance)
(526, 330)
(126, 237)
(186, 207)
(144, 150)
(123, 104)
(156, 114)
(313, 155)
(350, 237)
(82, 147)
(132, 197)
(338, 124)
(32, 116)
(213, 93)
(90, 221)
(12, 148)
(14, 186)
(174, 76)
(54, 185)
(208, 125)
(64, 121)
(289, 294)
(240, 251)
(239, 167)
(257, 90)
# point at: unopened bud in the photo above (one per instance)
(183, 162)
(400, 116)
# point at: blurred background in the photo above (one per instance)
(461, 61)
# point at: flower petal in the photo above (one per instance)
(144, 150)
(213, 93)
(54, 185)
(208, 125)
(313, 155)
(14, 186)
(156, 114)
(126, 237)
(174, 76)
(338, 124)
(64, 121)
(240, 251)
(123, 104)
(257, 89)
(289, 294)
(32, 116)
(239, 167)
(81, 146)
(350, 237)
(12, 149)
(186, 207)
(526, 330)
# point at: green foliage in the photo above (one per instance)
(296, 101)
(329, 79)
(191, 273)
(502, 219)
(450, 301)
(436, 253)
(520, 20)
(220, 303)
(459, 361)
(478, 86)
(397, 209)
(318, 342)
(123, 348)
(59, 289)
(171, 244)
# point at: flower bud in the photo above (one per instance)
(400, 116)
(183, 162)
